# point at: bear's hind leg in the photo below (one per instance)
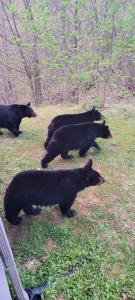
(48, 140)
(16, 221)
(12, 216)
(65, 155)
(30, 210)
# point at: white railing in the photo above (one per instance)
(7, 260)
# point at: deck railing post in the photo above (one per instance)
(8, 259)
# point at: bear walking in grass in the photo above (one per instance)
(47, 188)
(12, 115)
(80, 136)
(69, 119)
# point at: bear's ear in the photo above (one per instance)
(103, 123)
(28, 104)
(88, 165)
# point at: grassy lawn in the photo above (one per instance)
(100, 242)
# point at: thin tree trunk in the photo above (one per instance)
(36, 80)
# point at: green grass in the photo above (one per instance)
(100, 243)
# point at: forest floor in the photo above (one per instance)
(100, 242)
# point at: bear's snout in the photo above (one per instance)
(110, 136)
(101, 180)
(102, 117)
(34, 114)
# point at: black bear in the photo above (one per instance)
(47, 188)
(80, 136)
(12, 115)
(61, 120)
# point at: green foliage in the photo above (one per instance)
(78, 39)
(85, 76)
(12, 7)
(15, 39)
(126, 93)
(75, 40)
(115, 8)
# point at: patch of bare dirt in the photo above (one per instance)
(124, 296)
(131, 241)
(60, 297)
(15, 234)
(121, 219)
(60, 163)
(55, 217)
(6, 140)
(85, 203)
(122, 216)
(50, 246)
(32, 265)
(113, 145)
(113, 271)
(38, 155)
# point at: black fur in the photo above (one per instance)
(80, 136)
(12, 115)
(43, 188)
(61, 120)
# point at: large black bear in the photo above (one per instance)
(47, 188)
(12, 115)
(68, 119)
(80, 136)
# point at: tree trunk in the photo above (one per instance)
(35, 69)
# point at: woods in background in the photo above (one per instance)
(52, 51)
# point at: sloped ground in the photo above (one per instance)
(100, 242)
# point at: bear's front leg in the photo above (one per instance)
(95, 145)
(15, 131)
(71, 213)
(83, 151)
(65, 207)
(14, 128)
(17, 221)
(14, 220)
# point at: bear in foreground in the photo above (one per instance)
(47, 188)
(76, 136)
(12, 115)
(69, 119)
